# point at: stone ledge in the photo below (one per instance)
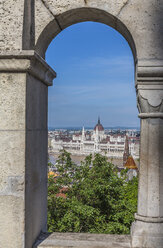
(82, 240)
(28, 62)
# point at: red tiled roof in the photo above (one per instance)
(61, 195)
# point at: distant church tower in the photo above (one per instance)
(99, 120)
(98, 131)
(83, 134)
(82, 140)
(126, 151)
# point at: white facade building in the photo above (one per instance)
(111, 145)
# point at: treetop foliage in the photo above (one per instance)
(97, 199)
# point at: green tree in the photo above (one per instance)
(97, 199)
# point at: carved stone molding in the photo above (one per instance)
(149, 219)
(149, 87)
(29, 62)
(150, 100)
(149, 72)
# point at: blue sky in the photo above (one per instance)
(95, 77)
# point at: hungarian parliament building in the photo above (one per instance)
(110, 144)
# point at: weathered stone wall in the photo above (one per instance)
(23, 149)
(143, 19)
(24, 77)
(12, 158)
(36, 159)
(11, 16)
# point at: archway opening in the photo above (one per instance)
(90, 72)
(74, 16)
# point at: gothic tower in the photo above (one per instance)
(126, 151)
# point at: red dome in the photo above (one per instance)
(99, 126)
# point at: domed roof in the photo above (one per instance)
(99, 126)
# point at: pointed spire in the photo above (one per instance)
(126, 150)
(83, 133)
(97, 135)
(127, 144)
(99, 126)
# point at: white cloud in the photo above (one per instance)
(95, 62)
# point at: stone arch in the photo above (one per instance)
(77, 15)
(149, 215)
(27, 27)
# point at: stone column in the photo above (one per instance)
(24, 81)
(147, 230)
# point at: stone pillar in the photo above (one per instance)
(147, 230)
(24, 81)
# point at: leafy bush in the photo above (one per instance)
(97, 199)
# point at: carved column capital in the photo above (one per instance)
(149, 87)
